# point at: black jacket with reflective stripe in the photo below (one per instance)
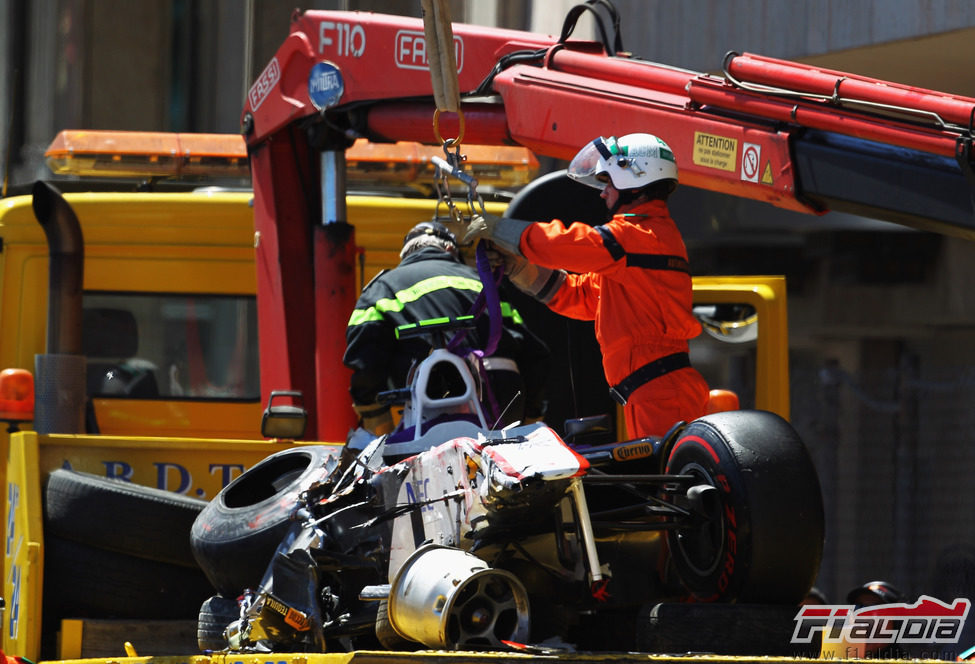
(428, 284)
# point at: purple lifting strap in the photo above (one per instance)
(490, 299)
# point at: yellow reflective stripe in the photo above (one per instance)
(509, 311)
(360, 316)
(412, 294)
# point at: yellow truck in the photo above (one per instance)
(176, 405)
(172, 399)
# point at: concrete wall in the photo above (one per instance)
(696, 33)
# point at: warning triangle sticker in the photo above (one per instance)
(767, 173)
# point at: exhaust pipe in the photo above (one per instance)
(60, 386)
(447, 598)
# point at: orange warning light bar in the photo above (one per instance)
(90, 153)
(411, 163)
(147, 154)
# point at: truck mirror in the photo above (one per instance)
(732, 323)
(284, 420)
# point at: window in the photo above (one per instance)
(171, 346)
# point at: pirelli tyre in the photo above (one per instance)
(215, 614)
(733, 630)
(387, 635)
(761, 538)
(235, 535)
(120, 516)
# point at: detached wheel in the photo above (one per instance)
(234, 537)
(762, 538)
(387, 635)
(120, 516)
(215, 614)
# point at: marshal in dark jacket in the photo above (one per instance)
(431, 283)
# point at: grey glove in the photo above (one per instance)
(502, 231)
(539, 282)
(496, 258)
(482, 226)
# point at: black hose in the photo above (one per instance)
(66, 272)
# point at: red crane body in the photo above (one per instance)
(769, 130)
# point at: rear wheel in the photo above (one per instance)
(761, 538)
(236, 534)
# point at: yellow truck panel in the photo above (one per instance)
(198, 467)
(767, 296)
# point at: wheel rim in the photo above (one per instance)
(485, 613)
(701, 547)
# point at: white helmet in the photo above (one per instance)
(630, 162)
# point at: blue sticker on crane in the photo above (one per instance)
(325, 85)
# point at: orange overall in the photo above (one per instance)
(630, 277)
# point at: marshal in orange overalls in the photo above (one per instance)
(630, 277)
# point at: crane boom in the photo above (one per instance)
(795, 136)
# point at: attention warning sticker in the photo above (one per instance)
(715, 151)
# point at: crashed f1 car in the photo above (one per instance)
(447, 534)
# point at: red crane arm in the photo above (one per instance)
(795, 136)
(381, 58)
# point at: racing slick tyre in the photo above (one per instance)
(740, 630)
(235, 535)
(387, 635)
(120, 516)
(761, 536)
(215, 614)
